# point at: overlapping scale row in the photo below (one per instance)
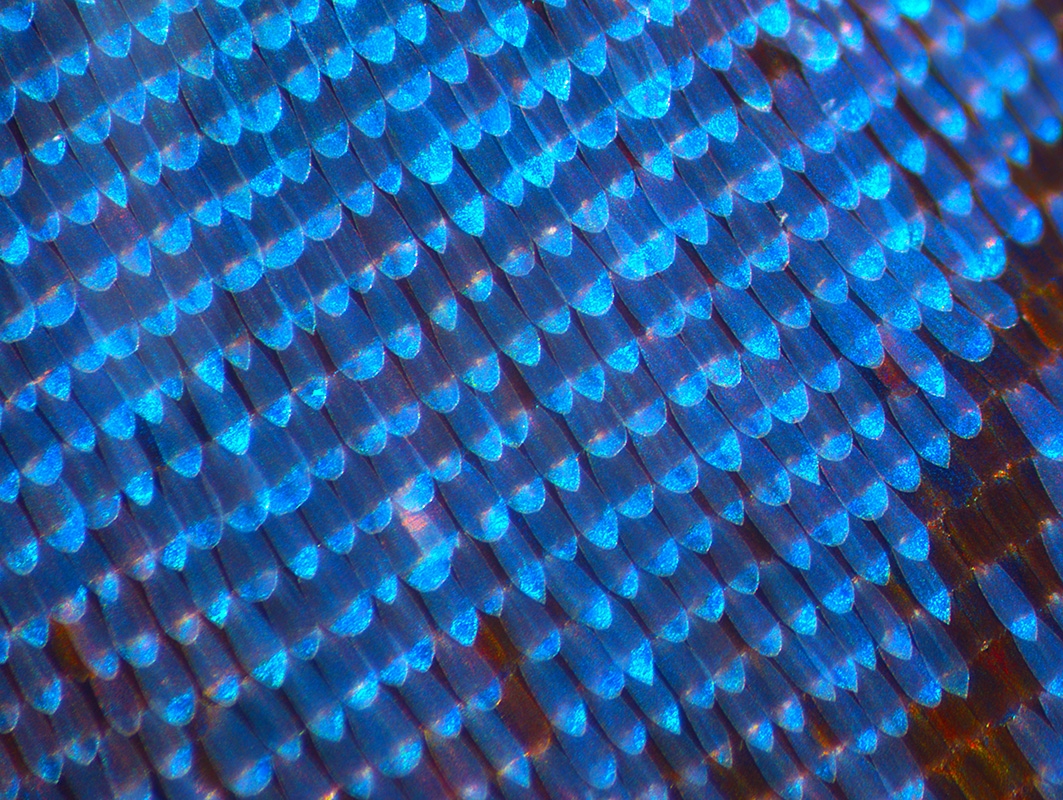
(497, 399)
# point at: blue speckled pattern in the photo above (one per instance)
(501, 399)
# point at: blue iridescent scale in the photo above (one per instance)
(497, 399)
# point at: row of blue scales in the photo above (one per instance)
(493, 399)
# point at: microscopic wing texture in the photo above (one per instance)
(515, 399)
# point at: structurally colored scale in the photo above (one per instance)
(500, 399)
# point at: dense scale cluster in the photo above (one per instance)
(488, 398)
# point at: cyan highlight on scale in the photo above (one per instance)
(501, 399)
